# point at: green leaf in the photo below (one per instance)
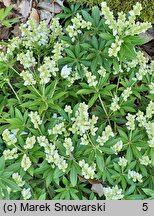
(136, 40)
(13, 167)
(136, 152)
(73, 176)
(123, 134)
(148, 191)
(128, 109)
(129, 154)
(107, 150)
(58, 95)
(49, 178)
(42, 197)
(73, 195)
(70, 53)
(77, 49)
(127, 52)
(130, 190)
(92, 100)
(106, 36)
(135, 197)
(57, 173)
(100, 162)
(152, 156)
(2, 163)
(94, 65)
(85, 91)
(87, 16)
(11, 184)
(42, 167)
(96, 14)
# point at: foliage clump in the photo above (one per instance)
(124, 5)
(77, 107)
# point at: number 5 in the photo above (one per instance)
(145, 207)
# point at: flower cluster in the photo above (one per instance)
(87, 171)
(151, 86)
(122, 27)
(30, 141)
(34, 34)
(135, 176)
(84, 140)
(28, 78)
(56, 29)
(113, 193)
(18, 179)
(57, 51)
(47, 69)
(68, 144)
(78, 25)
(114, 105)
(58, 129)
(122, 161)
(9, 137)
(35, 119)
(150, 129)
(126, 93)
(145, 160)
(130, 122)
(66, 71)
(107, 133)
(25, 162)
(68, 109)
(141, 119)
(82, 122)
(52, 155)
(27, 59)
(26, 193)
(117, 147)
(150, 110)
(10, 154)
(14, 44)
(90, 78)
(102, 71)
(115, 47)
(151, 143)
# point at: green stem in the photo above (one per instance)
(40, 131)
(54, 88)
(14, 91)
(130, 137)
(36, 91)
(20, 149)
(104, 109)
(15, 71)
(117, 85)
(90, 141)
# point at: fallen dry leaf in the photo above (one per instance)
(91, 181)
(98, 188)
(34, 15)
(16, 30)
(149, 48)
(46, 6)
(57, 8)
(25, 8)
(7, 3)
(46, 15)
(4, 33)
(81, 179)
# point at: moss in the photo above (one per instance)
(125, 5)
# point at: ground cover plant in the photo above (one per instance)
(77, 109)
(123, 5)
